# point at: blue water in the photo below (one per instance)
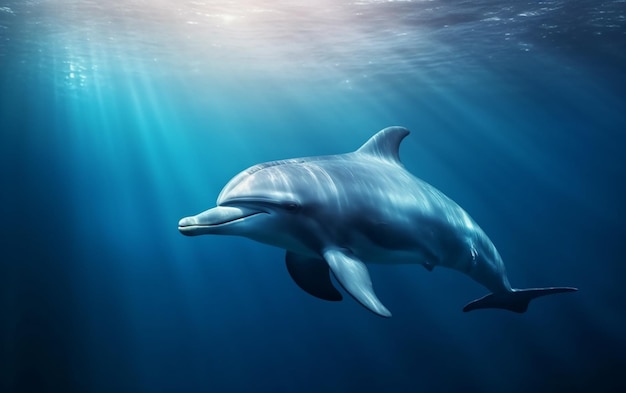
(120, 117)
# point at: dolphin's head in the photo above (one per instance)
(262, 203)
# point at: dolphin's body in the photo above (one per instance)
(344, 211)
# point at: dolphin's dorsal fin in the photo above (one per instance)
(385, 144)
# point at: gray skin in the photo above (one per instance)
(344, 211)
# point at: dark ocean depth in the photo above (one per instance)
(118, 118)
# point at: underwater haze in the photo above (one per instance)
(119, 117)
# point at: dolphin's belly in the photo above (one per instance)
(414, 239)
(371, 253)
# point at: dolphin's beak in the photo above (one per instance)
(214, 220)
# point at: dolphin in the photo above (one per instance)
(339, 213)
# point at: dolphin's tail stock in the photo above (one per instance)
(516, 300)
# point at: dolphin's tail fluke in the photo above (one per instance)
(516, 301)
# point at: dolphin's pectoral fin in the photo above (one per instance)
(312, 275)
(516, 301)
(429, 266)
(355, 279)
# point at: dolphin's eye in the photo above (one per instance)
(291, 206)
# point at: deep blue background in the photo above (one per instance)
(104, 147)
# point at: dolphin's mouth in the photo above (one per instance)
(215, 218)
(214, 224)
